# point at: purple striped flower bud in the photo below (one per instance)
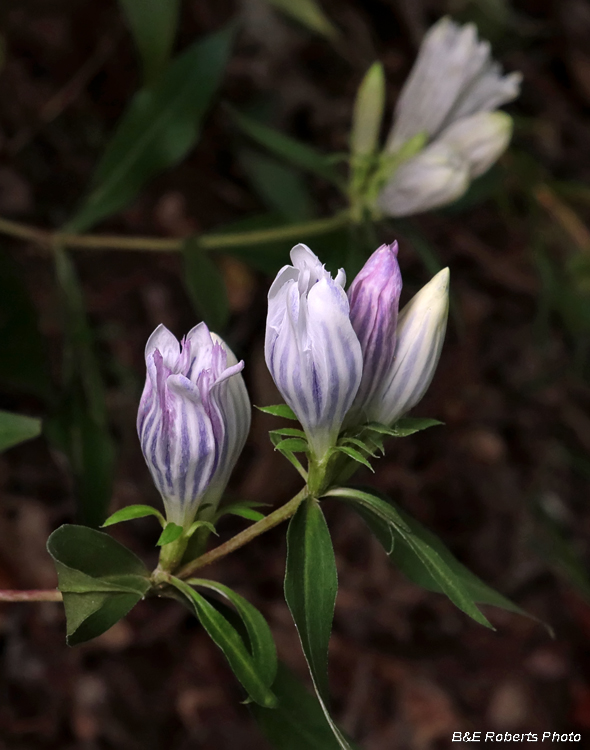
(193, 418)
(311, 349)
(420, 334)
(374, 300)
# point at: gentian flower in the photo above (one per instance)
(311, 349)
(450, 97)
(341, 363)
(193, 419)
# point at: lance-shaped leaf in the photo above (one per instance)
(298, 721)
(311, 583)
(158, 129)
(16, 428)
(425, 560)
(153, 25)
(232, 645)
(262, 645)
(100, 579)
(299, 154)
(279, 410)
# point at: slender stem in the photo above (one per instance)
(213, 241)
(272, 520)
(34, 595)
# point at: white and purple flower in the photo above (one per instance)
(193, 418)
(342, 362)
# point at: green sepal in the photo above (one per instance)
(355, 455)
(292, 445)
(278, 410)
(100, 579)
(199, 525)
(244, 510)
(134, 511)
(287, 432)
(403, 427)
(171, 533)
(231, 643)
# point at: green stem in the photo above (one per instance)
(244, 537)
(213, 241)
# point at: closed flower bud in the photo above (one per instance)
(374, 300)
(480, 139)
(454, 76)
(436, 176)
(311, 349)
(193, 418)
(420, 335)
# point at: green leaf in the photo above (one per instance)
(355, 455)
(278, 410)
(196, 525)
(425, 560)
(280, 187)
(368, 112)
(205, 285)
(244, 510)
(79, 426)
(134, 511)
(232, 645)
(287, 432)
(153, 25)
(16, 428)
(171, 533)
(299, 154)
(365, 445)
(298, 721)
(262, 645)
(403, 427)
(158, 128)
(308, 13)
(311, 583)
(100, 579)
(24, 365)
(90, 452)
(292, 445)
(384, 510)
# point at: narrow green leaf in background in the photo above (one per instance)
(23, 365)
(100, 579)
(205, 285)
(134, 511)
(79, 427)
(299, 154)
(232, 645)
(262, 645)
(311, 583)
(153, 24)
(16, 428)
(159, 127)
(309, 14)
(404, 427)
(244, 509)
(280, 187)
(298, 722)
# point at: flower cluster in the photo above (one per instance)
(347, 360)
(450, 98)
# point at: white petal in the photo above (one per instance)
(166, 343)
(450, 57)
(420, 335)
(436, 176)
(480, 139)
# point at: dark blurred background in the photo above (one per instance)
(504, 483)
